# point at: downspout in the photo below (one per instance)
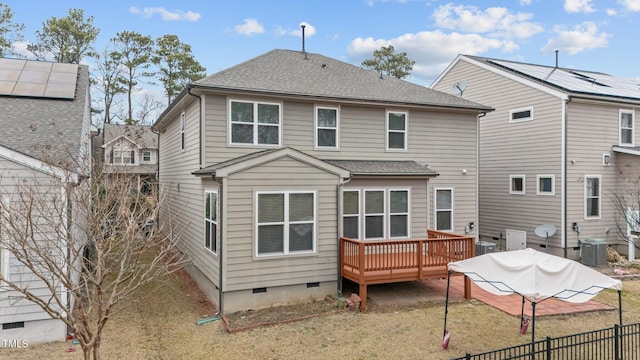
(478, 224)
(199, 122)
(338, 228)
(220, 228)
(563, 169)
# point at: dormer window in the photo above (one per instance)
(626, 128)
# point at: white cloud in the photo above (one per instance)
(582, 37)
(20, 49)
(431, 50)
(176, 15)
(249, 27)
(495, 21)
(631, 5)
(612, 12)
(525, 2)
(576, 6)
(309, 30)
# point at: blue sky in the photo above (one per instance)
(590, 35)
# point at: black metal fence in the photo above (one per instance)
(615, 343)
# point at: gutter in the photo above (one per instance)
(189, 87)
(220, 229)
(563, 199)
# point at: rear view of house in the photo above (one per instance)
(559, 147)
(267, 164)
(45, 154)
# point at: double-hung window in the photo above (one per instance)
(254, 123)
(444, 209)
(626, 127)
(327, 127)
(286, 222)
(122, 156)
(517, 184)
(546, 185)
(592, 196)
(378, 214)
(211, 221)
(396, 130)
(146, 155)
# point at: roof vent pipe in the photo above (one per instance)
(303, 51)
(556, 58)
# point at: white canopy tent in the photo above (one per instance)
(536, 276)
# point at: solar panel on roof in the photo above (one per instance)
(37, 79)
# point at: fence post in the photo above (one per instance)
(468, 356)
(548, 348)
(616, 330)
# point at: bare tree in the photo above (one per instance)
(627, 209)
(82, 246)
(106, 81)
(147, 106)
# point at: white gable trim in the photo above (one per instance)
(508, 75)
(122, 137)
(39, 165)
(274, 155)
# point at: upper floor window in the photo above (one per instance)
(182, 134)
(522, 114)
(122, 157)
(444, 209)
(517, 184)
(146, 155)
(211, 220)
(326, 127)
(396, 130)
(592, 196)
(546, 185)
(626, 127)
(286, 223)
(254, 123)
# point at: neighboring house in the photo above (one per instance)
(560, 144)
(45, 129)
(266, 164)
(132, 151)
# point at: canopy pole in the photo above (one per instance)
(522, 313)
(533, 328)
(620, 305)
(446, 304)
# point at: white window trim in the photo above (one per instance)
(513, 111)
(365, 214)
(408, 213)
(524, 184)
(606, 159)
(144, 155)
(358, 215)
(207, 221)
(286, 223)
(599, 177)
(255, 124)
(633, 124)
(405, 132)
(183, 138)
(435, 208)
(317, 127)
(553, 184)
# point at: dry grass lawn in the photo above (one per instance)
(160, 324)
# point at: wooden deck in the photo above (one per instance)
(386, 261)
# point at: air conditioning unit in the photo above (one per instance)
(594, 252)
(485, 247)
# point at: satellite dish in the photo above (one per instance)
(458, 88)
(544, 231)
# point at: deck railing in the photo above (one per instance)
(385, 261)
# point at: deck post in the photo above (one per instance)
(467, 288)
(363, 281)
(363, 297)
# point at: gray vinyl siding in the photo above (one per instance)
(592, 130)
(183, 193)
(11, 309)
(530, 147)
(245, 271)
(445, 140)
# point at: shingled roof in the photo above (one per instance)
(310, 75)
(47, 128)
(139, 134)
